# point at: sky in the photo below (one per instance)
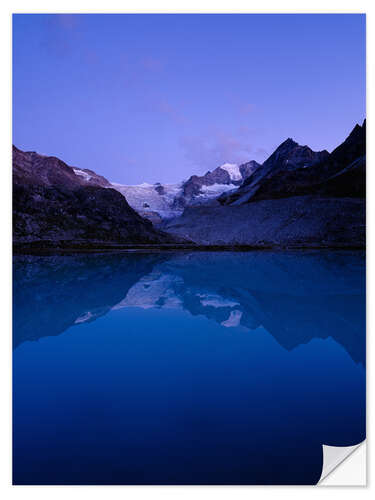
(157, 98)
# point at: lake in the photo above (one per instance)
(186, 368)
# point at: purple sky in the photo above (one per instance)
(148, 98)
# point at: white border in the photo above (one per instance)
(162, 492)
(347, 471)
(336, 456)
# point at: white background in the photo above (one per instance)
(163, 492)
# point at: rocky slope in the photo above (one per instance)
(301, 221)
(53, 205)
(91, 178)
(297, 198)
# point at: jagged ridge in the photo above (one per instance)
(52, 205)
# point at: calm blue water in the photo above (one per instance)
(200, 368)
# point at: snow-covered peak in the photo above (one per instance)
(170, 200)
(233, 171)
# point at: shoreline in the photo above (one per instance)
(144, 248)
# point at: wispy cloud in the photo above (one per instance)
(172, 111)
(247, 108)
(67, 21)
(216, 148)
(152, 64)
(61, 34)
(261, 151)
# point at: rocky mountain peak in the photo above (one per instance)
(32, 168)
(290, 154)
(287, 145)
(353, 146)
(53, 205)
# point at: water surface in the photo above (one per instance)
(186, 368)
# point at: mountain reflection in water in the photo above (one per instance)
(294, 296)
(251, 386)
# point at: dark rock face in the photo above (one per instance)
(349, 182)
(53, 205)
(248, 168)
(291, 155)
(288, 158)
(194, 183)
(353, 147)
(296, 170)
(192, 188)
(160, 189)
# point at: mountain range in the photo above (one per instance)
(158, 202)
(297, 197)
